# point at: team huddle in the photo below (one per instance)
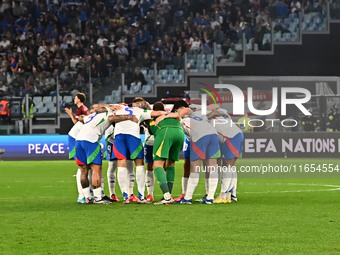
(208, 144)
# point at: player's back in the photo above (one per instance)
(169, 122)
(129, 127)
(195, 127)
(94, 127)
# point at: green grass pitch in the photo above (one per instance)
(39, 215)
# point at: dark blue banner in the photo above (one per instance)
(35, 147)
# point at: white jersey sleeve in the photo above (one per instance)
(94, 127)
(109, 134)
(185, 122)
(75, 129)
(149, 138)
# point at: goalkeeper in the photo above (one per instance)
(169, 139)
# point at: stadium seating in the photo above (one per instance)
(163, 72)
(173, 72)
(146, 89)
(178, 78)
(37, 100)
(68, 99)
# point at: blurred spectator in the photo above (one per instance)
(196, 46)
(309, 123)
(73, 62)
(320, 6)
(218, 35)
(295, 6)
(262, 17)
(3, 88)
(98, 67)
(307, 6)
(5, 43)
(260, 30)
(128, 73)
(122, 53)
(138, 80)
(100, 40)
(109, 64)
(64, 74)
(11, 91)
(243, 123)
(179, 61)
(231, 33)
(231, 54)
(335, 10)
(146, 61)
(50, 83)
(334, 119)
(282, 9)
(58, 36)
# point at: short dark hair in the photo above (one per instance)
(138, 99)
(81, 97)
(158, 106)
(179, 104)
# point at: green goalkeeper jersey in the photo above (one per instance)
(167, 122)
(169, 139)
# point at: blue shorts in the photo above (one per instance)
(127, 146)
(232, 147)
(71, 147)
(148, 156)
(205, 148)
(108, 154)
(186, 149)
(88, 153)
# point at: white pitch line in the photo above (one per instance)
(335, 188)
(286, 191)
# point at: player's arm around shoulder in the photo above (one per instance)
(184, 112)
(173, 115)
(216, 113)
(99, 108)
(119, 118)
(212, 107)
(157, 113)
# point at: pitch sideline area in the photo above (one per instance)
(39, 215)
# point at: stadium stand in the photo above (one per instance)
(73, 43)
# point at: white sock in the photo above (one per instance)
(111, 176)
(89, 176)
(184, 184)
(102, 183)
(234, 184)
(97, 193)
(150, 182)
(140, 176)
(87, 193)
(131, 177)
(206, 184)
(226, 181)
(123, 180)
(192, 184)
(79, 187)
(213, 181)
